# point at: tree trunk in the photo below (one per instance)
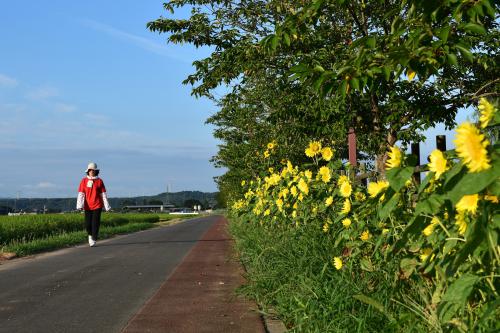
(381, 158)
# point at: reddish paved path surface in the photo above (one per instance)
(200, 295)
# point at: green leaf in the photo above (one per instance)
(431, 205)
(477, 236)
(494, 188)
(415, 227)
(452, 59)
(387, 73)
(366, 265)
(408, 266)
(444, 33)
(465, 52)
(472, 183)
(370, 42)
(286, 38)
(397, 177)
(460, 289)
(475, 28)
(389, 206)
(425, 182)
(354, 83)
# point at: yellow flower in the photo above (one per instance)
(342, 179)
(430, 228)
(346, 223)
(345, 189)
(395, 157)
(337, 262)
(410, 75)
(346, 208)
(271, 145)
(492, 198)
(360, 196)
(293, 190)
(324, 172)
(471, 147)
(294, 214)
(303, 186)
(313, 149)
(279, 203)
(375, 188)
(326, 227)
(243, 183)
(328, 201)
(295, 206)
(301, 197)
(238, 204)
(271, 170)
(425, 253)
(308, 174)
(327, 153)
(266, 154)
(486, 110)
(437, 163)
(468, 203)
(267, 212)
(365, 236)
(461, 223)
(384, 231)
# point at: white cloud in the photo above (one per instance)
(44, 92)
(97, 118)
(64, 108)
(7, 81)
(41, 186)
(144, 43)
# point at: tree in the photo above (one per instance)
(369, 50)
(333, 65)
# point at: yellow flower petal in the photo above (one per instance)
(471, 147)
(395, 158)
(438, 163)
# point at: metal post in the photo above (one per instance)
(415, 150)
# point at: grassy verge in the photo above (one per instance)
(290, 275)
(69, 239)
(59, 231)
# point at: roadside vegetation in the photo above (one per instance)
(28, 234)
(325, 252)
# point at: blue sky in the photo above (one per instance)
(85, 81)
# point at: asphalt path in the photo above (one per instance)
(84, 289)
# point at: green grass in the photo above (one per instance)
(68, 239)
(289, 272)
(29, 234)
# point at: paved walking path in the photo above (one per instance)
(200, 294)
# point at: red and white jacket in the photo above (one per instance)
(92, 194)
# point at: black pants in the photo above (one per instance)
(93, 222)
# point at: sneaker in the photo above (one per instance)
(91, 241)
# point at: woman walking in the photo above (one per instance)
(92, 198)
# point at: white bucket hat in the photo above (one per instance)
(91, 166)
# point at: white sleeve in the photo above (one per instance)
(80, 200)
(105, 201)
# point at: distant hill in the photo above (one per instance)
(178, 199)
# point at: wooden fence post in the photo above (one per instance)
(441, 142)
(351, 140)
(415, 150)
